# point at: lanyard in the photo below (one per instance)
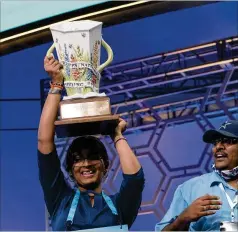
(75, 201)
(231, 203)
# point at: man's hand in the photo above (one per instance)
(53, 68)
(203, 206)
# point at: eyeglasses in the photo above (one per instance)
(228, 141)
(80, 163)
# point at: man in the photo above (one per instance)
(203, 202)
(87, 163)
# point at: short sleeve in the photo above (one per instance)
(177, 206)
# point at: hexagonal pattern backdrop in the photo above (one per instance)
(169, 155)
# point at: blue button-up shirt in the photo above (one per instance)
(58, 198)
(197, 187)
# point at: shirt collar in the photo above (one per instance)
(216, 179)
(92, 192)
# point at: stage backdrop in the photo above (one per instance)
(167, 160)
(169, 156)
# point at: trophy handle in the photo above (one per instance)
(50, 53)
(50, 50)
(110, 56)
(102, 66)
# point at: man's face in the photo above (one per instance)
(225, 152)
(88, 173)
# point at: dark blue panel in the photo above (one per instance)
(22, 204)
(21, 73)
(19, 114)
(173, 30)
(191, 135)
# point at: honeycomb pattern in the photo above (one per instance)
(169, 155)
(188, 146)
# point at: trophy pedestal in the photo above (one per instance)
(88, 116)
(93, 125)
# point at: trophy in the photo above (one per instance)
(84, 111)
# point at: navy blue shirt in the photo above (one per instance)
(58, 198)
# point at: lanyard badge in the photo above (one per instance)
(231, 203)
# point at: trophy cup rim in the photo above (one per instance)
(74, 26)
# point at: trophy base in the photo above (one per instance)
(84, 108)
(92, 125)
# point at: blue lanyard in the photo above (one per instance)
(75, 201)
(232, 204)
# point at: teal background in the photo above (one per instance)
(19, 13)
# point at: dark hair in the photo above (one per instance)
(96, 149)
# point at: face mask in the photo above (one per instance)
(227, 174)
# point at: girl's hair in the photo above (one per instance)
(96, 151)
